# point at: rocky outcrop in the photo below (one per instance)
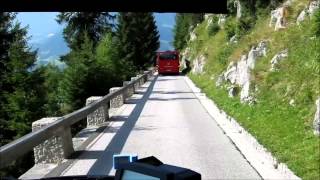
(198, 65)
(255, 52)
(292, 102)
(278, 18)
(209, 19)
(277, 58)
(233, 39)
(232, 91)
(238, 6)
(238, 74)
(308, 11)
(184, 56)
(316, 121)
(222, 20)
(193, 36)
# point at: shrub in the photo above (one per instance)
(213, 29)
(244, 25)
(230, 27)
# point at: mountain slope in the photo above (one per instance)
(273, 100)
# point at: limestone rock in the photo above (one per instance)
(308, 11)
(255, 52)
(198, 65)
(313, 7)
(292, 102)
(232, 91)
(238, 6)
(233, 39)
(222, 20)
(193, 36)
(277, 58)
(239, 73)
(219, 80)
(278, 17)
(207, 16)
(316, 121)
(301, 16)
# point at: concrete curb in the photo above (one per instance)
(259, 157)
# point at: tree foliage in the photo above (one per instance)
(138, 38)
(95, 24)
(185, 22)
(22, 94)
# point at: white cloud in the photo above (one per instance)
(164, 41)
(167, 26)
(50, 35)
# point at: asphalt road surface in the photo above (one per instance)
(166, 120)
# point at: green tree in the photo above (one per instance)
(74, 88)
(138, 38)
(22, 94)
(185, 22)
(94, 24)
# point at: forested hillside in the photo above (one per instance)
(261, 65)
(102, 55)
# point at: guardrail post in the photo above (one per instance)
(129, 92)
(147, 75)
(118, 100)
(139, 82)
(55, 149)
(136, 85)
(98, 116)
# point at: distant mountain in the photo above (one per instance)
(50, 49)
(53, 46)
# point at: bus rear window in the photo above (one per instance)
(168, 56)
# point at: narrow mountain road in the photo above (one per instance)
(166, 120)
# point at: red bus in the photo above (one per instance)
(168, 62)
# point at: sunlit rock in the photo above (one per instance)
(238, 6)
(233, 39)
(308, 11)
(238, 73)
(222, 20)
(219, 80)
(198, 65)
(193, 36)
(313, 7)
(278, 18)
(301, 16)
(277, 58)
(255, 52)
(292, 102)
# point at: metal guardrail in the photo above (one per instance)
(15, 149)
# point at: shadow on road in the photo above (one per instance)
(103, 164)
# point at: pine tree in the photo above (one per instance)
(22, 94)
(138, 38)
(95, 24)
(74, 88)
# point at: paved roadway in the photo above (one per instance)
(165, 120)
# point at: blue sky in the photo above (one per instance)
(41, 25)
(43, 30)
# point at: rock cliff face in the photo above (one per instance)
(198, 65)
(308, 11)
(238, 73)
(277, 58)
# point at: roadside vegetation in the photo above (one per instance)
(102, 55)
(285, 130)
